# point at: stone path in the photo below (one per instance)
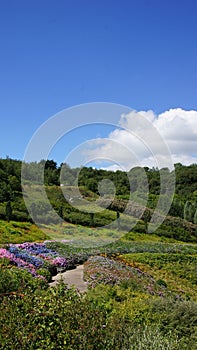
(72, 278)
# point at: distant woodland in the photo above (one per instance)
(140, 182)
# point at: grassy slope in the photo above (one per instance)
(19, 232)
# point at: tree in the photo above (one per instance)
(189, 211)
(118, 219)
(4, 192)
(146, 217)
(106, 188)
(66, 175)
(14, 183)
(92, 185)
(195, 217)
(51, 164)
(177, 207)
(60, 211)
(8, 211)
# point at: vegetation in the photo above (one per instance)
(135, 301)
(137, 180)
(141, 183)
(19, 232)
(141, 287)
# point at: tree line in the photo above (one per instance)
(142, 183)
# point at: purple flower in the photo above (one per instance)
(59, 262)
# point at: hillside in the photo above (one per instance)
(141, 286)
(19, 232)
(67, 200)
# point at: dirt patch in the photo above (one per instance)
(72, 278)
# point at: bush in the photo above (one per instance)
(18, 280)
(59, 318)
(179, 317)
(45, 273)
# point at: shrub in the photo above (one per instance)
(45, 273)
(18, 280)
(59, 318)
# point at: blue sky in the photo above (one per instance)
(57, 54)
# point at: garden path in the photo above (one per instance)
(72, 278)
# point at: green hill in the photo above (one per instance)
(67, 200)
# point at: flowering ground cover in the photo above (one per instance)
(65, 255)
(130, 304)
(106, 271)
(100, 269)
(32, 256)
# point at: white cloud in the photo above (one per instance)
(142, 136)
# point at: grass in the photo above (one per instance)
(94, 236)
(19, 232)
(81, 235)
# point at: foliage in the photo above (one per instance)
(15, 281)
(34, 257)
(58, 318)
(174, 270)
(136, 183)
(142, 288)
(19, 232)
(131, 302)
(8, 211)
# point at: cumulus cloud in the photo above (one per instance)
(147, 139)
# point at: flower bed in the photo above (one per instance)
(102, 270)
(99, 269)
(33, 256)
